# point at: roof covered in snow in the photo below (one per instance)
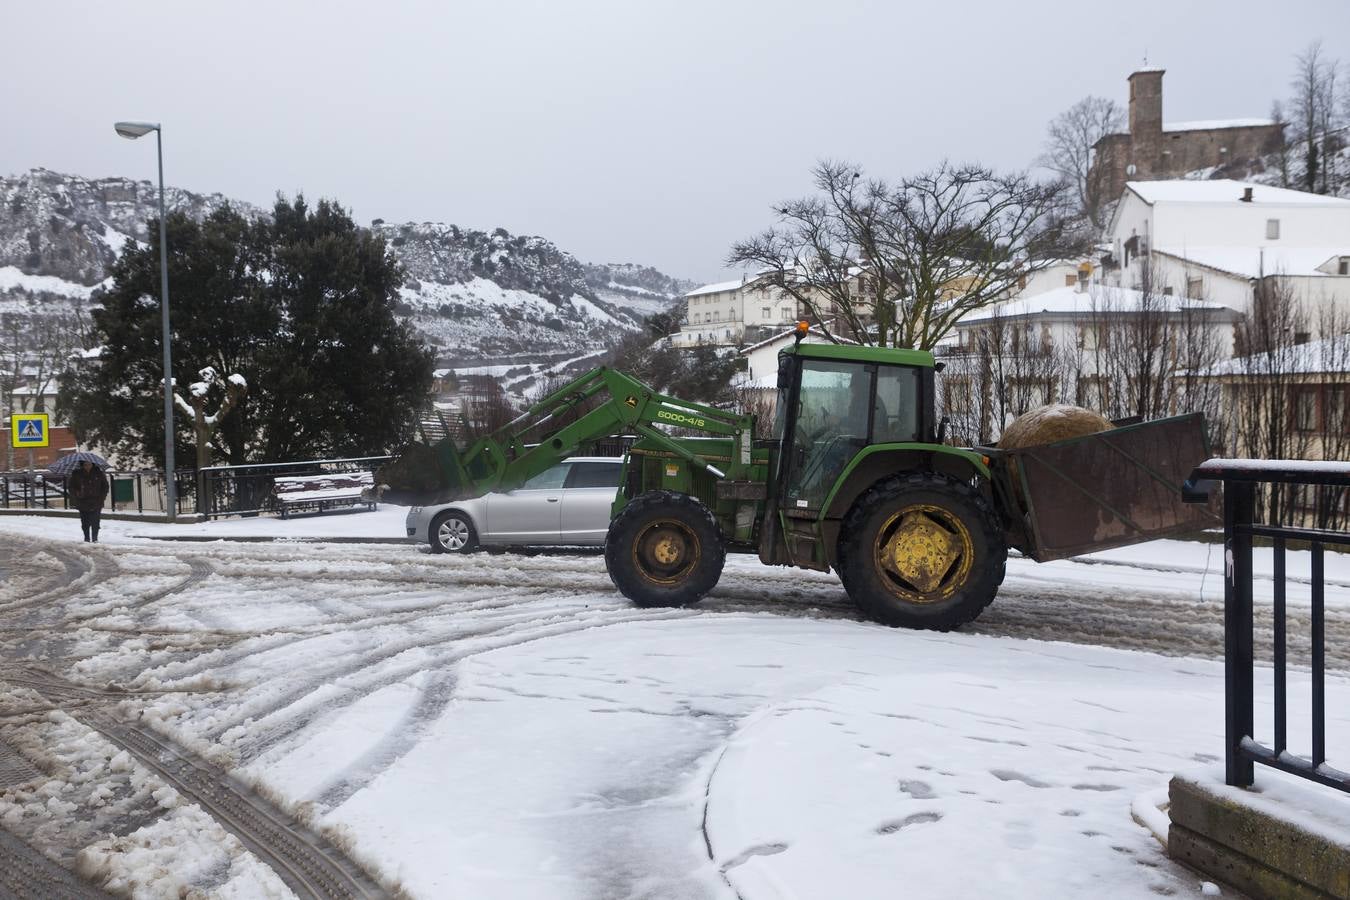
(1312, 358)
(1226, 190)
(1212, 124)
(717, 288)
(1098, 301)
(1252, 262)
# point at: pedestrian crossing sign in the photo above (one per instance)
(28, 430)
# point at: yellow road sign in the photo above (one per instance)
(29, 430)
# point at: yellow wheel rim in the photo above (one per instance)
(666, 551)
(923, 554)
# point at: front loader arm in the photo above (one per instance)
(503, 461)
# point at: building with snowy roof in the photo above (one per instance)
(1154, 149)
(1217, 240)
(1300, 392)
(750, 310)
(1077, 345)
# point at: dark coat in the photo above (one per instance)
(87, 490)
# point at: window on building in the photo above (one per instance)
(1337, 406)
(1093, 392)
(764, 312)
(1305, 409)
(1195, 288)
(1070, 280)
(1167, 291)
(957, 395)
(1302, 337)
(1344, 267)
(1272, 229)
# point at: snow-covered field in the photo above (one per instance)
(504, 725)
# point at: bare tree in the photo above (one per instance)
(899, 264)
(1315, 114)
(1271, 418)
(1332, 364)
(35, 352)
(1069, 140)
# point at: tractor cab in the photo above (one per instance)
(834, 401)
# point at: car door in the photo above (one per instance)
(532, 513)
(587, 499)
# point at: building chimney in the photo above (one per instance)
(1246, 195)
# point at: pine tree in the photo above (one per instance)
(302, 305)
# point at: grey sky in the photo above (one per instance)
(651, 132)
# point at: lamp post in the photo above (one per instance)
(131, 131)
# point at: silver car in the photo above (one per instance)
(569, 504)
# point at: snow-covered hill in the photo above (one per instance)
(477, 297)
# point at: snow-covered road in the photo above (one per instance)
(504, 725)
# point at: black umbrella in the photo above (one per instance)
(70, 462)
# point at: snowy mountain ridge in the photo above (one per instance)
(475, 296)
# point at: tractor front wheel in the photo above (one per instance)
(922, 551)
(664, 549)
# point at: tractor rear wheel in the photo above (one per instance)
(664, 549)
(922, 551)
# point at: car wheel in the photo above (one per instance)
(452, 532)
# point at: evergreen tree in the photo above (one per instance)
(302, 305)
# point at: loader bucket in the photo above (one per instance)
(1108, 489)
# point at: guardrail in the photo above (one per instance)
(247, 490)
(1240, 479)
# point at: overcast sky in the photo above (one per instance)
(639, 131)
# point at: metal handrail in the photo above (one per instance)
(1240, 480)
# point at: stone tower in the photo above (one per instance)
(1146, 122)
(1151, 150)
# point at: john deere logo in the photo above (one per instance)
(630, 400)
(681, 419)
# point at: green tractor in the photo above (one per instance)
(856, 478)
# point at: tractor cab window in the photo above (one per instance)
(895, 415)
(832, 418)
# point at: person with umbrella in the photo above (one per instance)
(86, 486)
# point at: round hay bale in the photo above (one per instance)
(1047, 424)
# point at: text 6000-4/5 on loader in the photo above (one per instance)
(856, 479)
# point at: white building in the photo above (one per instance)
(1215, 239)
(1074, 319)
(714, 315)
(731, 313)
(1079, 345)
(761, 359)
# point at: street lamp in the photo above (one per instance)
(131, 131)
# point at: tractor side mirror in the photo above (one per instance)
(784, 372)
(942, 430)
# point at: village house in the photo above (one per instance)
(1217, 240)
(1073, 345)
(734, 313)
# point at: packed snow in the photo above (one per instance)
(504, 725)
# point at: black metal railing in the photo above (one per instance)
(248, 490)
(1241, 480)
(139, 489)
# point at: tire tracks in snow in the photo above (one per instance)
(26, 873)
(308, 864)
